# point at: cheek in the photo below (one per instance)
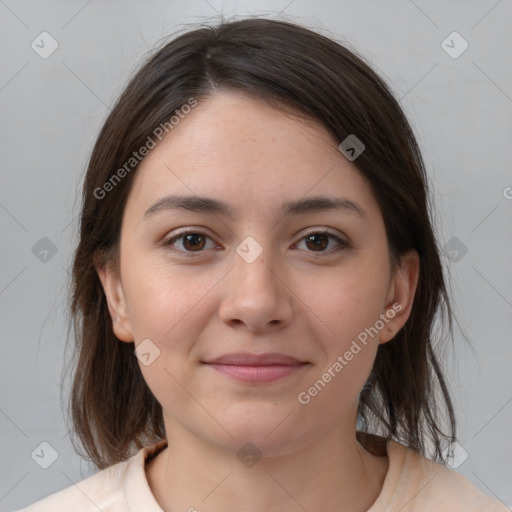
(348, 304)
(349, 301)
(350, 307)
(168, 307)
(163, 301)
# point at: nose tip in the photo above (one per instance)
(254, 295)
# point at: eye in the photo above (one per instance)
(318, 241)
(191, 242)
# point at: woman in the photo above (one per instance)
(254, 289)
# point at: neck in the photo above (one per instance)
(333, 474)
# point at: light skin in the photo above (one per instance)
(300, 297)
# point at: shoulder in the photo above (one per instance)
(416, 483)
(100, 491)
(103, 490)
(112, 489)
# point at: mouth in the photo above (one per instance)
(257, 368)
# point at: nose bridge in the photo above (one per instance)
(256, 293)
(255, 266)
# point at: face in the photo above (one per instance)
(283, 297)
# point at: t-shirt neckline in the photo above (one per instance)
(139, 496)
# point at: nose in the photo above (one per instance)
(256, 295)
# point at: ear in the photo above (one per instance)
(401, 294)
(114, 293)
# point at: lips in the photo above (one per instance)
(256, 368)
(247, 359)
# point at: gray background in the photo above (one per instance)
(53, 108)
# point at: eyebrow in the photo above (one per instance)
(213, 206)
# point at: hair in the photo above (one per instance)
(113, 411)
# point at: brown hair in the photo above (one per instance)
(113, 411)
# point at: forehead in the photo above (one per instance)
(239, 148)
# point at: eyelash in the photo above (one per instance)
(193, 254)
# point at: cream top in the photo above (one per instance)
(412, 484)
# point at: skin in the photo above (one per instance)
(294, 298)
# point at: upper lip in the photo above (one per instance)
(248, 359)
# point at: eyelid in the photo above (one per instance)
(320, 230)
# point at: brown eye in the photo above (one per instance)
(193, 241)
(317, 241)
(190, 243)
(322, 243)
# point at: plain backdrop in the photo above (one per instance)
(460, 106)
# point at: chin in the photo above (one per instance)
(271, 433)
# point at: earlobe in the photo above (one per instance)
(401, 295)
(116, 301)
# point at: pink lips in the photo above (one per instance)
(256, 368)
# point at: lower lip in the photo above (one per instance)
(257, 374)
